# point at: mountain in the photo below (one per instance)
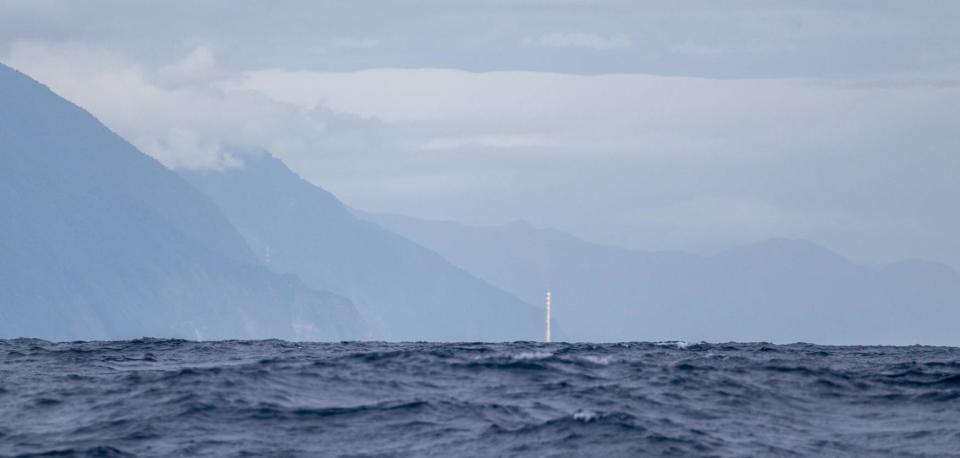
(411, 292)
(99, 241)
(777, 290)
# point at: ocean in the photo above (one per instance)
(172, 398)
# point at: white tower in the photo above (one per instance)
(547, 337)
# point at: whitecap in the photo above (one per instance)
(531, 355)
(585, 415)
(601, 360)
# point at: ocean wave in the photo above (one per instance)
(156, 397)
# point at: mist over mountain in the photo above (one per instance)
(99, 241)
(409, 292)
(777, 290)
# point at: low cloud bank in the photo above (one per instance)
(644, 161)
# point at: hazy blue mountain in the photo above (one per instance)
(99, 241)
(411, 292)
(777, 290)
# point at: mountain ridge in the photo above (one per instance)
(100, 241)
(413, 292)
(780, 290)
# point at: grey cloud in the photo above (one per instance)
(579, 40)
(718, 124)
(812, 39)
(177, 112)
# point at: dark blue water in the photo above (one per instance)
(272, 398)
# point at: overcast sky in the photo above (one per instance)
(653, 125)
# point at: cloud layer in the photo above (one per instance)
(737, 38)
(579, 40)
(177, 112)
(675, 125)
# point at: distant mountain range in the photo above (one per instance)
(99, 241)
(406, 291)
(777, 290)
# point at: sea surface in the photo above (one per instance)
(274, 398)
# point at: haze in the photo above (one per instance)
(639, 130)
(691, 127)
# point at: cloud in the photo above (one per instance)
(356, 43)
(198, 65)
(177, 113)
(579, 40)
(640, 160)
(689, 48)
(580, 152)
(821, 39)
(644, 116)
(488, 141)
(697, 49)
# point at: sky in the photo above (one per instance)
(694, 125)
